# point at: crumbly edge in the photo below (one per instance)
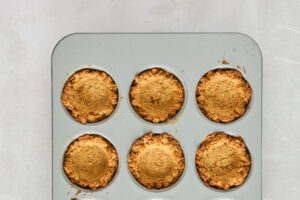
(206, 143)
(150, 138)
(138, 109)
(113, 163)
(96, 118)
(236, 75)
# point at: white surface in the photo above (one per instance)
(29, 30)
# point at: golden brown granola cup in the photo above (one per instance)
(223, 95)
(156, 161)
(223, 161)
(90, 95)
(156, 95)
(90, 162)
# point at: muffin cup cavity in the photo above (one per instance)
(149, 156)
(85, 103)
(237, 95)
(209, 146)
(112, 159)
(140, 103)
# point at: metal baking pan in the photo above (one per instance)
(189, 56)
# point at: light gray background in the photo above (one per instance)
(29, 29)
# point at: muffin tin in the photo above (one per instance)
(188, 56)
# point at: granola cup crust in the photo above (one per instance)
(90, 162)
(223, 95)
(223, 161)
(90, 95)
(156, 95)
(156, 161)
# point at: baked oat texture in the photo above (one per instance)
(156, 95)
(90, 95)
(223, 161)
(223, 95)
(90, 162)
(156, 161)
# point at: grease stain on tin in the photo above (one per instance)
(78, 192)
(224, 62)
(174, 121)
(244, 70)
